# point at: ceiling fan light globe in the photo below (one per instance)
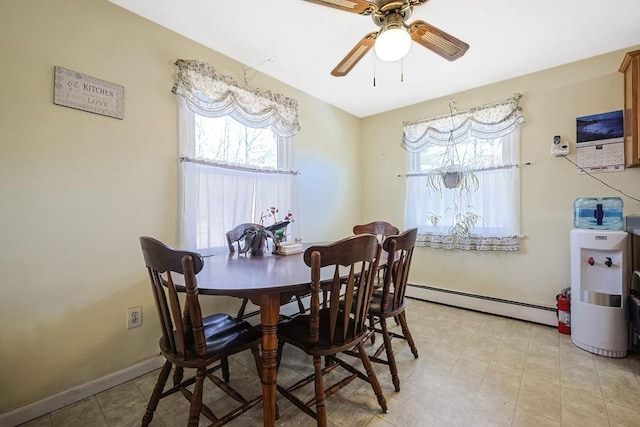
(392, 44)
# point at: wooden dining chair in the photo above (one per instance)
(333, 326)
(235, 238)
(391, 301)
(381, 229)
(191, 341)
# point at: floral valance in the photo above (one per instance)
(489, 121)
(211, 94)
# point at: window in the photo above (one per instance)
(227, 140)
(489, 217)
(236, 174)
(235, 155)
(496, 202)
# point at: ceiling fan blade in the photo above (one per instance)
(432, 38)
(355, 55)
(362, 7)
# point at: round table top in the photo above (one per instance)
(239, 274)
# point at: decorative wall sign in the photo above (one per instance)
(82, 92)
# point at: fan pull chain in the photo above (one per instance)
(402, 70)
(374, 71)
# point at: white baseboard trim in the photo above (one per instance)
(75, 394)
(49, 404)
(516, 310)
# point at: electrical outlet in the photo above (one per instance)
(134, 317)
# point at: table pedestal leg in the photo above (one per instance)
(269, 314)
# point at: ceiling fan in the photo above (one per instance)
(393, 40)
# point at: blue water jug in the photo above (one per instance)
(598, 213)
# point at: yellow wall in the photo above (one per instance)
(77, 189)
(552, 100)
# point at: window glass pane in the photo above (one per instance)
(473, 152)
(225, 139)
(484, 152)
(431, 158)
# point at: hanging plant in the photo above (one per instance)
(453, 173)
(463, 224)
(460, 178)
(434, 219)
(452, 177)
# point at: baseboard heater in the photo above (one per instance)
(514, 309)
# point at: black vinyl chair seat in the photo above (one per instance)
(297, 329)
(190, 340)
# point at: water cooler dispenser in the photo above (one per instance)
(599, 286)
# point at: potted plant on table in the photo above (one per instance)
(255, 240)
(279, 228)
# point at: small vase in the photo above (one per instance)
(281, 235)
(258, 247)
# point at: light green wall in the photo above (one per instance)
(77, 189)
(552, 100)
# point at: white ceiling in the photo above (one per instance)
(299, 43)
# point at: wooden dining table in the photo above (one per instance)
(268, 281)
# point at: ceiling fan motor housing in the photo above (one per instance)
(391, 14)
(391, 21)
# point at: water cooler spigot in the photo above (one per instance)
(591, 261)
(598, 214)
(608, 262)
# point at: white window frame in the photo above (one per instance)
(282, 181)
(498, 120)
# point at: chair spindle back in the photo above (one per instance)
(181, 329)
(356, 258)
(400, 251)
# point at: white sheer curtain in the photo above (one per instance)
(208, 208)
(277, 189)
(497, 200)
(217, 196)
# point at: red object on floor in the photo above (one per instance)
(563, 303)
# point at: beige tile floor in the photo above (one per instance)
(474, 369)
